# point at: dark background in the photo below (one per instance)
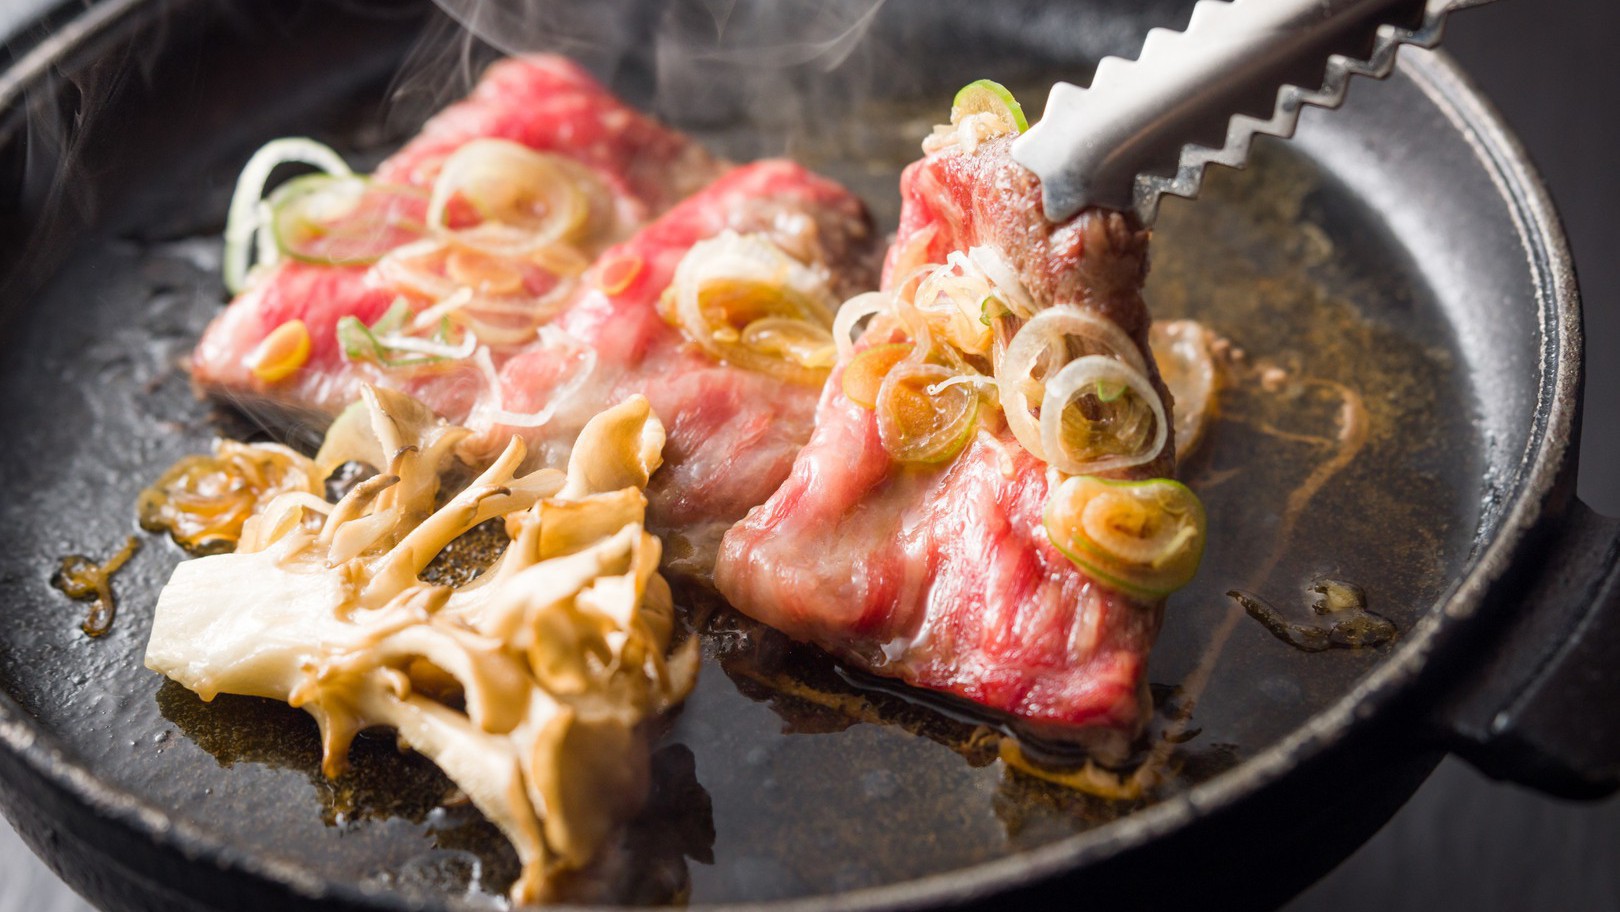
(1464, 842)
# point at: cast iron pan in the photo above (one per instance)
(1400, 249)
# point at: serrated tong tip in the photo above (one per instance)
(1198, 97)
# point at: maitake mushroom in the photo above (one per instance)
(527, 686)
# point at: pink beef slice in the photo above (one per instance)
(732, 433)
(944, 576)
(546, 103)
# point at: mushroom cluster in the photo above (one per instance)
(528, 685)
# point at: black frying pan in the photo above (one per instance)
(1401, 248)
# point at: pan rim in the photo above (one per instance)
(1538, 230)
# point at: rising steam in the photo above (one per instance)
(709, 66)
(776, 34)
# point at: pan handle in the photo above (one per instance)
(1542, 710)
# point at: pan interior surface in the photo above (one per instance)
(1370, 434)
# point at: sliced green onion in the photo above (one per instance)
(986, 96)
(523, 199)
(951, 298)
(245, 218)
(1182, 350)
(991, 309)
(281, 353)
(921, 418)
(865, 373)
(801, 342)
(1039, 350)
(1100, 415)
(1009, 287)
(381, 340)
(344, 220)
(1143, 538)
(738, 297)
(850, 316)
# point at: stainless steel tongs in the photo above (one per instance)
(1150, 126)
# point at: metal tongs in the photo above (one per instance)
(1150, 126)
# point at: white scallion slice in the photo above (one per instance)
(736, 297)
(246, 213)
(493, 407)
(1100, 415)
(1040, 348)
(523, 199)
(801, 342)
(1181, 349)
(413, 270)
(385, 340)
(856, 309)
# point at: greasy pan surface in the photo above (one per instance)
(1394, 252)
